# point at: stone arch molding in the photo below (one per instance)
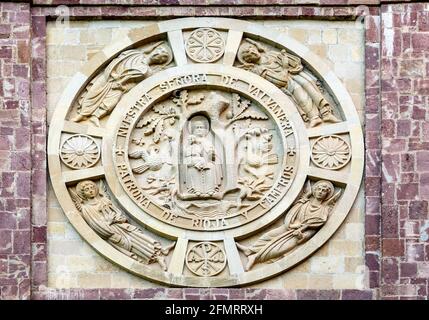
(206, 152)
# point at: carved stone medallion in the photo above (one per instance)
(221, 173)
(205, 45)
(206, 259)
(79, 152)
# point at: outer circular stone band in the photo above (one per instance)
(163, 202)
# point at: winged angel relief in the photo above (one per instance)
(309, 213)
(103, 93)
(204, 153)
(97, 209)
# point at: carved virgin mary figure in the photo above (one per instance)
(302, 221)
(111, 225)
(286, 72)
(132, 66)
(201, 175)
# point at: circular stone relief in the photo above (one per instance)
(205, 45)
(211, 174)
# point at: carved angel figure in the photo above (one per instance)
(111, 225)
(302, 221)
(286, 72)
(104, 92)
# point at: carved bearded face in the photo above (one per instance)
(159, 56)
(87, 189)
(250, 53)
(321, 191)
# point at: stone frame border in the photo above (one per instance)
(40, 15)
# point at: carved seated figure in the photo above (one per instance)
(203, 172)
(286, 72)
(302, 221)
(111, 225)
(104, 92)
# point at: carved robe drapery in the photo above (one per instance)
(112, 226)
(287, 72)
(306, 215)
(104, 92)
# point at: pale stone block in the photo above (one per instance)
(339, 52)
(94, 280)
(345, 248)
(80, 263)
(273, 283)
(303, 267)
(66, 247)
(357, 53)
(296, 281)
(354, 264)
(348, 281)
(355, 231)
(120, 280)
(300, 35)
(54, 36)
(56, 215)
(57, 229)
(314, 36)
(320, 281)
(347, 70)
(103, 36)
(327, 265)
(350, 36)
(62, 280)
(329, 36)
(70, 232)
(103, 265)
(71, 36)
(72, 52)
(319, 49)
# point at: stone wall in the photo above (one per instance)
(396, 178)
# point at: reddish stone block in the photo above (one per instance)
(151, 293)
(420, 42)
(174, 293)
(389, 271)
(372, 243)
(393, 247)
(372, 224)
(115, 294)
(403, 128)
(408, 191)
(407, 162)
(372, 205)
(256, 294)
(39, 234)
(22, 242)
(408, 269)
(23, 185)
(356, 295)
(21, 160)
(419, 210)
(7, 221)
(278, 294)
(389, 227)
(390, 167)
(304, 294)
(6, 245)
(39, 273)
